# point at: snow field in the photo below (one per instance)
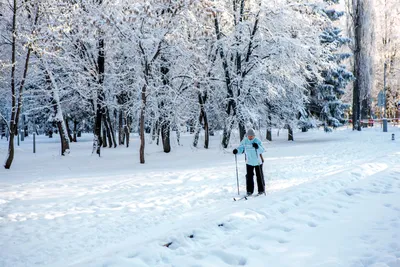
(333, 200)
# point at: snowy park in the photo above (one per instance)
(199, 133)
(333, 199)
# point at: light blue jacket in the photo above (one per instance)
(246, 146)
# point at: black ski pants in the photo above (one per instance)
(250, 180)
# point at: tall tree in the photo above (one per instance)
(362, 46)
(20, 11)
(325, 96)
(57, 116)
(387, 62)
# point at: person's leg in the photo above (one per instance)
(260, 179)
(249, 179)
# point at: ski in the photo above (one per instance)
(257, 195)
(248, 196)
(240, 198)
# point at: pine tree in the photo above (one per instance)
(325, 97)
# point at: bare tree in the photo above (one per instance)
(17, 91)
(58, 117)
(360, 31)
(387, 58)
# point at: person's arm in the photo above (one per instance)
(260, 148)
(240, 148)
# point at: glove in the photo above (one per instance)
(255, 145)
(235, 151)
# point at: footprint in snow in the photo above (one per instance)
(312, 224)
(283, 210)
(281, 228)
(356, 174)
(254, 246)
(229, 258)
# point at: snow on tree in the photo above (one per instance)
(159, 66)
(387, 55)
(325, 96)
(19, 21)
(362, 46)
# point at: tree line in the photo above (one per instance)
(153, 67)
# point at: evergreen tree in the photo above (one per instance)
(325, 96)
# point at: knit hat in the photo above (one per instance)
(250, 132)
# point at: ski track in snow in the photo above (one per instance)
(126, 219)
(222, 240)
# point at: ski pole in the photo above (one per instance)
(261, 173)
(237, 175)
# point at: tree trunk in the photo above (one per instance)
(242, 130)
(154, 130)
(127, 134)
(192, 126)
(165, 119)
(178, 136)
(142, 113)
(206, 133)
(269, 134)
(58, 116)
(97, 130)
(24, 127)
(269, 124)
(62, 129)
(75, 129)
(104, 136)
(13, 119)
(107, 130)
(121, 128)
(10, 157)
(198, 128)
(365, 108)
(197, 134)
(226, 135)
(127, 129)
(112, 138)
(357, 20)
(16, 106)
(202, 122)
(165, 135)
(68, 130)
(290, 134)
(100, 93)
(231, 106)
(63, 137)
(158, 134)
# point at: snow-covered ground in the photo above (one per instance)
(333, 200)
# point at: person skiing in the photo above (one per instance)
(253, 148)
